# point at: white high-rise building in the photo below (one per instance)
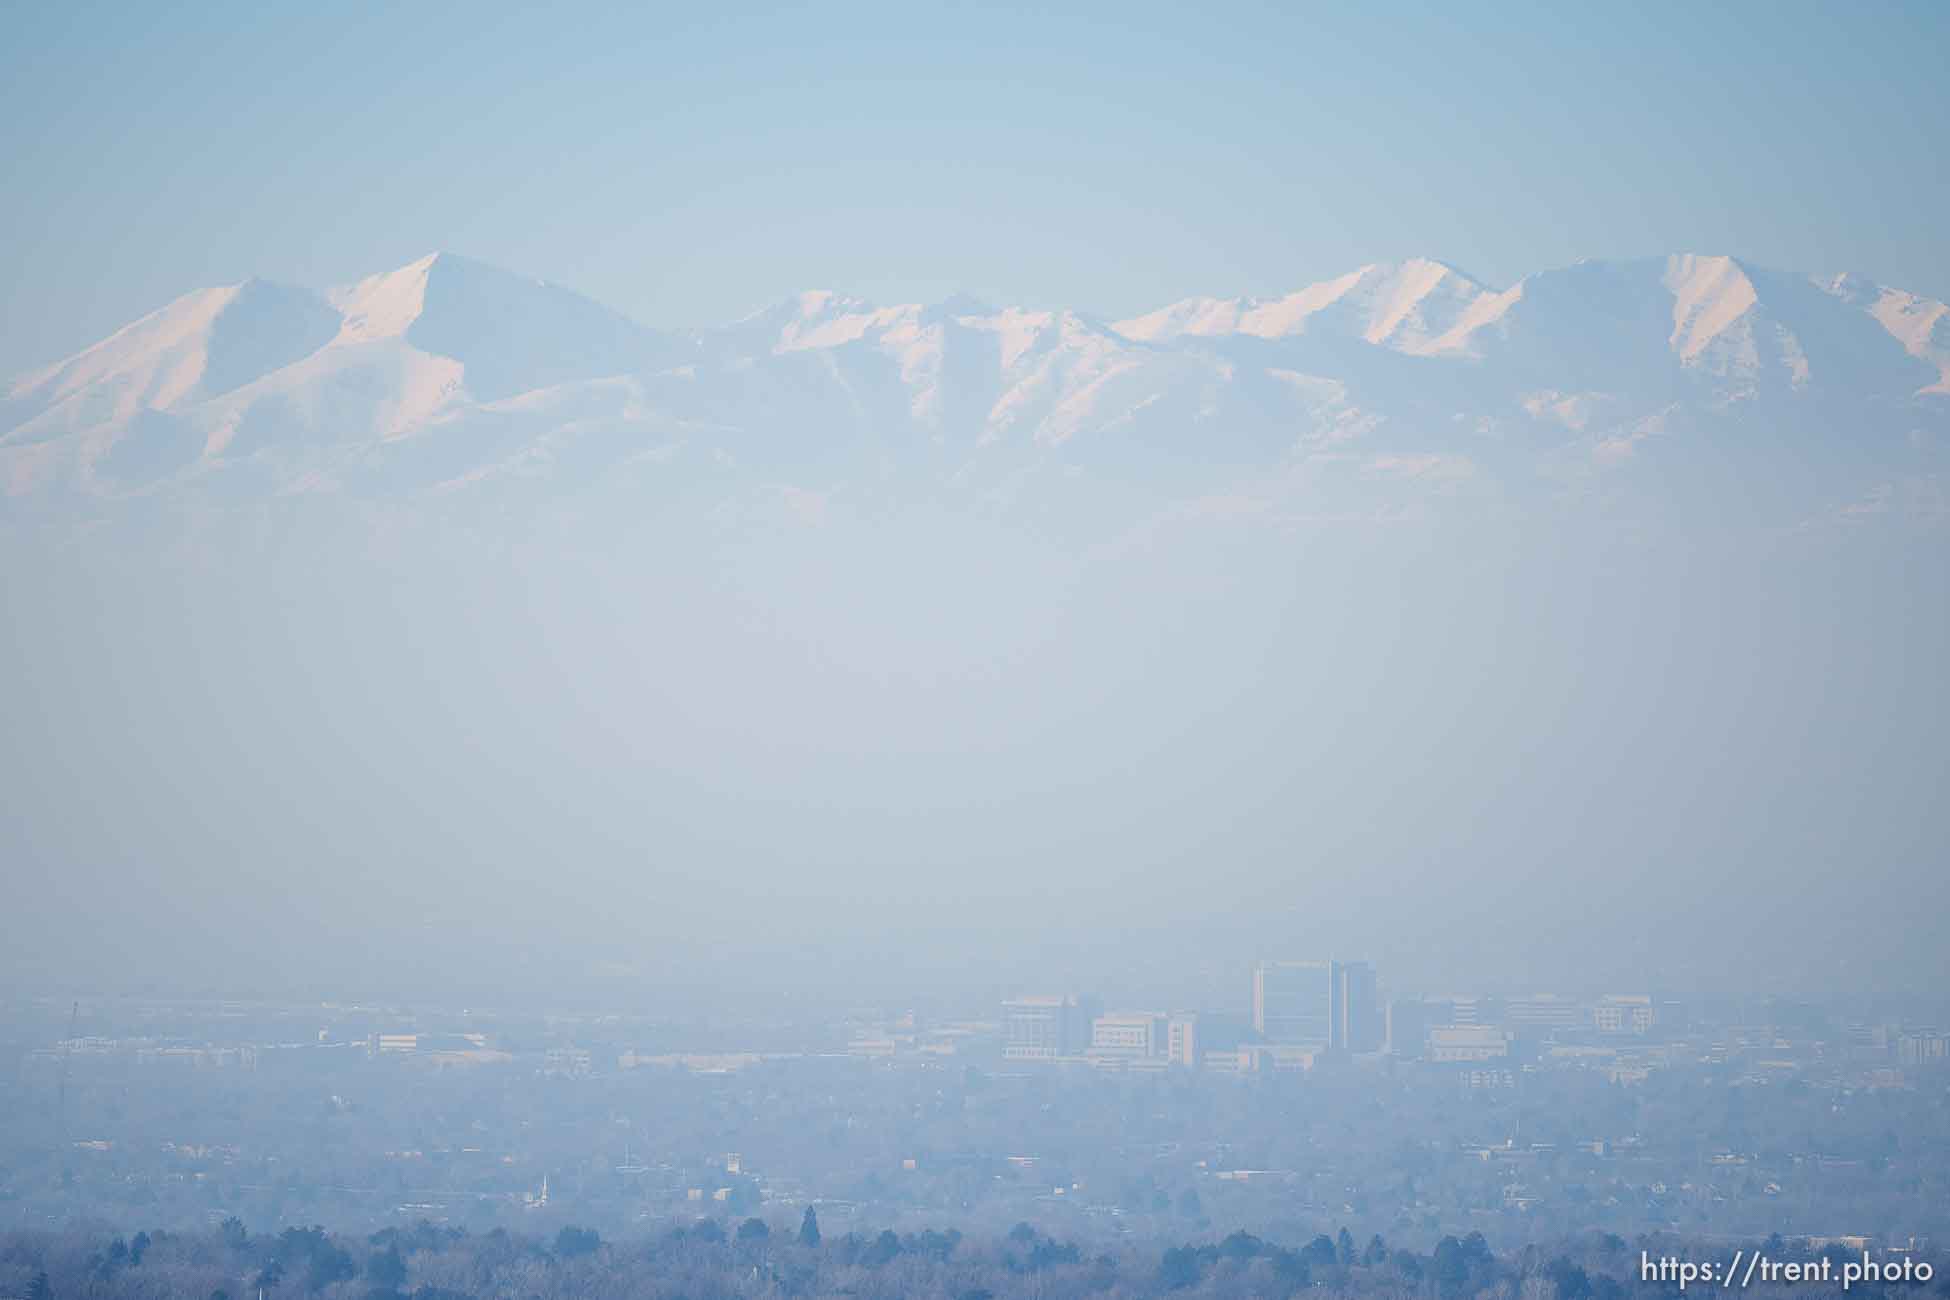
(1181, 1039)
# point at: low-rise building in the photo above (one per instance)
(1624, 1013)
(1924, 1047)
(1128, 1033)
(1468, 1043)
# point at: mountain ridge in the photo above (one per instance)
(461, 370)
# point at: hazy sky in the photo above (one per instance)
(1524, 740)
(689, 164)
(956, 756)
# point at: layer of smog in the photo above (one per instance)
(1363, 714)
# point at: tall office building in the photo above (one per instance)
(1359, 1003)
(1293, 1001)
(1327, 1004)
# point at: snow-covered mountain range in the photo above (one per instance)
(450, 376)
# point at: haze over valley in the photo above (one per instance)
(448, 622)
(956, 653)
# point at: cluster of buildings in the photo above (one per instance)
(145, 1052)
(1302, 1010)
(1307, 1011)
(1073, 1028)
(1485, 1028)
(1925, 1047)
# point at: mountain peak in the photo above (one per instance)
(384, 305)
(512, 332)
(1423, 268)
(447, 258)
(804, 306)
(1710, 293)
(388, 304)
(1407, 305)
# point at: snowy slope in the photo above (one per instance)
(263, 368)
(448, 375)
(960, 365)
(1407, 306)
(200, 346)
(510, 334)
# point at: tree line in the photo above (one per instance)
(761, 1259)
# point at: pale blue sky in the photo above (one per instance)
(687, 165)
